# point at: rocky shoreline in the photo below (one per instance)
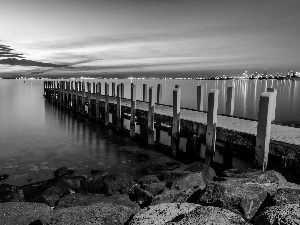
(162, 193)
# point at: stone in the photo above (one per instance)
(287, 194)
(208, 215)
(158, 170)
(62, 171)
(279, 215)
(95, 214)
(171, 176)
(9, 193)
(54, 193)
(142, 197)
(148, 179)
(155, 188)
(194, 180)
(12, 213)
(240, 198)
(201, 167)
(74, 182)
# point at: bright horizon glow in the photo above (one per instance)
(157, 37)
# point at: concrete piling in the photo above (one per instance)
(265, 116)
(133, 107)
(176, 122)
(200, 95)
(106, 104)
(211, 126)
(275, 98)
(113, 89)
(119, 112)
(159, 94)
(145, 91)
(151, 116)
(122, 91)
(230, 101)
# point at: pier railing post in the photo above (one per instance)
(151, 116)
(275, 97)
(122, 91)
(98, 94)
(176, 121)
(200, 94)
(159, 93)
(89, 98)
(113, 89)
(106, 104)
(133, 107)
(265, 116)
(145, 91)
(119, 112)
(211, 126)
(83, 98)
(230, 101)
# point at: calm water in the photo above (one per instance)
(37, 137)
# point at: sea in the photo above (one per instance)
(37, 137)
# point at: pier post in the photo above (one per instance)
(176, 121)
(133, 107)
(211, 126)
(94, 87)
(177, 86)
(159, 93)
(230, 101)
(265, 116)
(200, 95)
(275, 97)
(83, 97)
(113, 89)
(98, 94)
(151, 116)
(145, 92)
(119, 113)
(63, 97)
(67, 94)
(122, 91)
(106, 104)
(89, 98)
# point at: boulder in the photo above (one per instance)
(158, 170)
(279, 215)
(95, 214)
(155, 188)
(147, 179)
(287, 194)
(194, 180)
(74, 182)
(9, 193)
(12, 213)
(201, 167)
(62, 171)
(142, 197)
(241, 198)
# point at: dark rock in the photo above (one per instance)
(95, 214)
(13, 213)
(129, 188)
(287, 194)
(185, 213)
(142, 197)
(62, 171)
(4, 176)
(201, 167)
(241, 198)
(279, 215)
(171, 176)
(158, 170)
(54, 193)
(9, 193)
(148, 179)
(194, 180)
(94, 172)
(173, 165)
(155, 188)
(74, 182)
(34, 190)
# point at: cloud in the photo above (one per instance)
(6, 51)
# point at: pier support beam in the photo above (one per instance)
(176, 122)
(211, 126)
(113, 89)
(230, 101)
(122, 91)
(145, 91)
(133, 107)
(89, 98)
(119, 112)
(83, 98)
(151, 117)
(98, 94)
(275, 97)
(159, 93)
(265, 116)
(200, 94)
(106, 104)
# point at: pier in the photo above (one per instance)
(185, 133)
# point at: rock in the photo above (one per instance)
(158, 170)
(162, 213)
(279, 215)
(84, 199)
(9, 193)
(12, 213)
(209, 215)
(94, 172)
(201, 167)
(95, 214)
(129, 188)
(34, 190)
(241, 198)
(74, 182)
(62, 171)
(142, 197)
(174, 196)
(148, 179)
(155, 188)
(173, 165)
(287, 194)
(109, 184)
(170, 176)
(54, 193)
(4, 176)
(194, 180)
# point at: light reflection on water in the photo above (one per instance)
(37, 137)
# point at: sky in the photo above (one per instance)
(148, 37)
